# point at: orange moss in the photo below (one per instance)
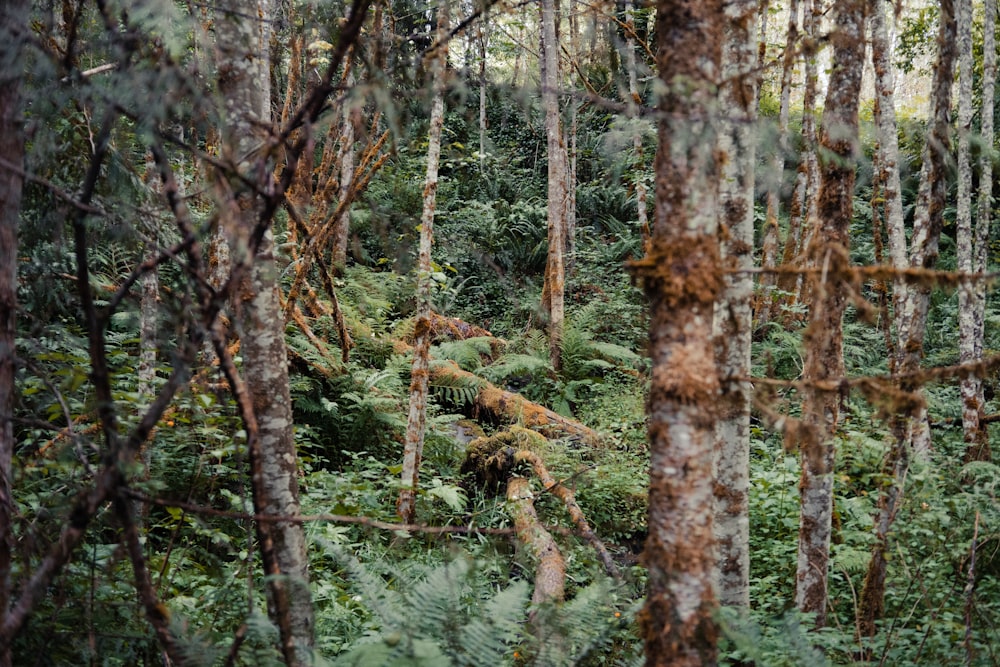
(681, 271)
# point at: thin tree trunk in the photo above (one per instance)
(243, 43)
(414, 446)
(977, 432)
(13, 31)
(682, 275)
(733, 316)
(828, 295)
(888, 148)
(910, 323)
(633, 109)
(802, 214)
(483, 36)
(928, 218)
(812, 10)
(771, 240)
(984, 208)
(341, 223)
(553, 292)
(570, 148)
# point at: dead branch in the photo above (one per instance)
(566, 495)
(550, 570)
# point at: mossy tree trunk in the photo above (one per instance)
(242, 35)
(682, 277)
(553, 293)
(634, 103)
(972, 238)
(827, 294)
(802, 211)
(733, 316)
(415, 425)
(909, 426)
(772, 236)
(984, 211)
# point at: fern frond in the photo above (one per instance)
(514, 365)
(468, 353)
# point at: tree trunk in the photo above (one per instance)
(928, 218)
(633, 109)
(733, 316)
(243, 81)
(554, 270)
(682, 276)
(802, 215)
(483, 37)
(984, 205)
(824, 364)
(911, 318)
(771, 240)
(969, 301)
(13, 30)
(341, 223)
(414, 446)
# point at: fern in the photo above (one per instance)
(457, 390)
(432, 622)
(468, 353)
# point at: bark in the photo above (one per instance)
(972, 294)
(969, 386)
(984, 204)
(553, 293)
(243, 81)
(928, 219)
(887, 157)
(802, 213)
(682, 277)
(483, 37)
(771, 240)
(733, 316)
(633, 107)
(13, 20)
(823, 339)
(550, 570)
(414, 444)
(911, 319)
(568, 498)
(342, 216)
(897, 463)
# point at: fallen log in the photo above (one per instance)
(502, 405)
(493, 460)
(550, 570)
(565, 494)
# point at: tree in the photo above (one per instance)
(972, 238)
(824, 364)
(910, 433)
(682, 276)
(414, 446)
(772, 234)
(641, 205)
(12, 36)
(243, 75)
(553, 291)
(733, 316)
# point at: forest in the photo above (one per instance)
(487, 332)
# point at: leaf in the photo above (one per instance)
(452, 495)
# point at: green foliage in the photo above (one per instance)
(435, 617)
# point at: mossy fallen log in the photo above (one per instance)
(550, 568)
(493, 461)
(506, 406)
